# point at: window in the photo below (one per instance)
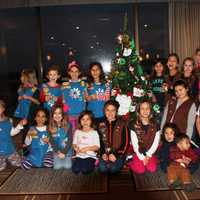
(84, 32)
(88, 30)
(18, 48)
(153, 32)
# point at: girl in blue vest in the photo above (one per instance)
(28, 95)
(50, 93)
(98, 90)
(60, 138)
(7, 147)
(74, 94)
(40, 152)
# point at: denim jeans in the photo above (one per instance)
(111, 167)
(65, 163)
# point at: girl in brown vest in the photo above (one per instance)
(181, 109)
(114, 138)
(145, 137)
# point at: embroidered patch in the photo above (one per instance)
(65, 85)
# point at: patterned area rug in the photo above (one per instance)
(158, 181)
(49, 181)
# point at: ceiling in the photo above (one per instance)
(37, 3)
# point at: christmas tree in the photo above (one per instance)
(129, 85)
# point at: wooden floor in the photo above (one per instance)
(119, 187)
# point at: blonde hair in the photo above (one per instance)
(30, 76)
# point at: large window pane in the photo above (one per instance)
(88, 30)
(18, 49)
(153, 32)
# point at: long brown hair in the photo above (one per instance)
(138, 120)
(53, 126)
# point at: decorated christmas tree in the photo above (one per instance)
(129, 85)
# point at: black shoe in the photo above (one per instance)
(175, 184)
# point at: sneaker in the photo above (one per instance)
(3, 166)
(175, 184)
(189, 187)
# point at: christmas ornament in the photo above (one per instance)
(133, 108)
(124, 102)
(127, 52)
(119, 39)
(122, 61)
(126, 41)
(156, 108)
(137, 92)
(131, 68)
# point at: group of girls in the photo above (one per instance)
(84, 132)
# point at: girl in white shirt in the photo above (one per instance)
(145, 137)
(85, 144)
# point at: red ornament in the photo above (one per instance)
(130, 94)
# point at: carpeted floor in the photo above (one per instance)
(119, 187)
(158, 181)
(49, 181)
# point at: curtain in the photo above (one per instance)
(184, 27)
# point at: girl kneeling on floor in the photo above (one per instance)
(145, 137)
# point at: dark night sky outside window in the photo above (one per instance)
(89, 30)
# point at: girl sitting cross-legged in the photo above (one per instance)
(40, 152)
(86, 144)
(60, 138)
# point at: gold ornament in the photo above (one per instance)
(126, 41)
